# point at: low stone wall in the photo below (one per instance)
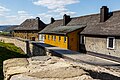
(36, 50)
(27, 46)
(18, 43)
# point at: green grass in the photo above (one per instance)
(4, 33)
(8, 51)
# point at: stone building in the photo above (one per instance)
(29, 29)
(102, 33)
(98, 33)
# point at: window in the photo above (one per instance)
(64, 39)
(41, 37)
(82, 39)
(59, 38)
(48, 37)
(111, 42)
(45, 37)
(54, 38)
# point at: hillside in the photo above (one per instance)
(7, 27)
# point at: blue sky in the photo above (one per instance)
(16, 11)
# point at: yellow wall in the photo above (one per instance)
(58, 43)
(74, 40)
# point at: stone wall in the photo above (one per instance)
(37, 50)
(16, 42)
(99, 45)
(26, 35)
(29, 47)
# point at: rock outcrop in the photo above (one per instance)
(42, 68)
(54, 68)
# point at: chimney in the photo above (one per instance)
(66, 19)
(38, 20)
(104, 12)
(52, 20)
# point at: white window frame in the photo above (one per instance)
(82, 39)
(54, 38)
(65, 39)
(41, 38)
(113, 43)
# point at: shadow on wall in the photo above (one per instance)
(38, 51)
(35, 50)
(82, 48)
(28, 52)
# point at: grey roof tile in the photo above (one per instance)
(92, 24)
(31, 24)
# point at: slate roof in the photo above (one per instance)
(111, 27)
(91, 24)
(58, 28)
(31, 24)
(64, 29)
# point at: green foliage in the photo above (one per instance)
(5, 33)
(7, 51)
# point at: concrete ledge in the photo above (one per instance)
(56, 51)
(116, 59)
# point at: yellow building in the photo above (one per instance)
(60, 33)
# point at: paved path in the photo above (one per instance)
(85, 58)
(116, 59)
(76, 56)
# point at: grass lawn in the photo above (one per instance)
(4, 33)
(7, 51)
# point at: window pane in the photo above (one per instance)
(45, 36)
(54, 38)
(59, 38)
(82, 39)
(111, 42)
(65, 39)
(48, 37)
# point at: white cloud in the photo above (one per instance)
(57, 6)
(16, 19)
(54, 4)
(45, 17)
(23, 15)
(3, 11)
(22, 12)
